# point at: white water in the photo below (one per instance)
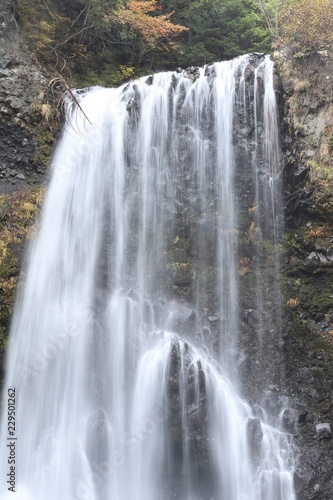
(115, 400)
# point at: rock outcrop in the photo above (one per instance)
(307, 133)
(28, 125)
(26, 109)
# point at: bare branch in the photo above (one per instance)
(271, 15)
(75, 100)
(62, 101)
(73, 36)
(78, 17)
(48, 9)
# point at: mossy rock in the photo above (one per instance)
(19, 215)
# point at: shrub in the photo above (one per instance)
(307, 24)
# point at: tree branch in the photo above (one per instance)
(48, 9)
(73, 36)
(78, 17)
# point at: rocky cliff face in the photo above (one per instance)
(27, 129)
(308, 264)
(25, 110)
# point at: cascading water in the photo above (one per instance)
(121, 385)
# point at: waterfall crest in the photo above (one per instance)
(123, 348)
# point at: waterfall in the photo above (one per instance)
(124, 347)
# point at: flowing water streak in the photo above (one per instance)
(117, 395)
(266, 168)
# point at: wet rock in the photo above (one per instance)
(133, 108)
(303, 417)
(255, 435)
(98, 429)
(298, 484)
(303, 173)
(180, 366)
(289, 420)
(149, 80)
(193, 72)
(134, 296)
(323, 431)
(181, 312)
(253, 318)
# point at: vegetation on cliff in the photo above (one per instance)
(19, 214)
(307, 24)
(109, 41)
(95, 41)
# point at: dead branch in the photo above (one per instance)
(64, 108)
(270, 17)
(48, 9)
(73, 36)
(78, 17)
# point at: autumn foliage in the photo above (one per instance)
(152, 29)
(307, 24)
(110, 37)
